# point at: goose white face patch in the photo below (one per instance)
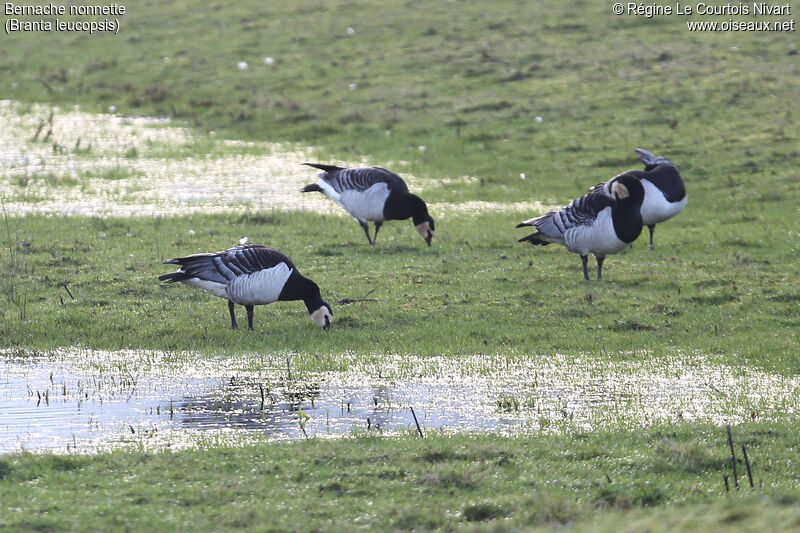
(322, 317)
(425, 230)
(620, 190)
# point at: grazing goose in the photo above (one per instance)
(250, 275)
(372, 193)
(594, 223)
(664, 192)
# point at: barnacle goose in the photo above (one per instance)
(664, 192)
(250, 275)
(372, 193)
(594, 223)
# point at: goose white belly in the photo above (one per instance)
(259, 288)
(331, 193)
(656, 208)
(211, 287)
(599, 238)
(368, 204)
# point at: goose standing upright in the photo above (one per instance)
(372, 194)
(250, 275)
(594, 223)
(664, 191)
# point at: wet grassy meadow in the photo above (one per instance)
(544, 400)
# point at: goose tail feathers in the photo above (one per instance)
(650, 160)
(311, 188)
(534, 238)
(172, 277)
(326, 168)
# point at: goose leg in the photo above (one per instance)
(249, 316)
(364, 224)
(234, 325)
(377, 227)
(584, 259)
(652, 228)
(600, 267)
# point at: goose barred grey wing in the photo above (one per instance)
(581, 212)
(359, 179)
(224, 266)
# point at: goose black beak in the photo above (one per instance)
(429, 238)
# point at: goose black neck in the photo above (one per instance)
(299, 287)
(627, 219)
(668, 180)
(400, 206)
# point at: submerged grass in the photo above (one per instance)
(440, 482)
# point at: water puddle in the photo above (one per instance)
(68, 162)
(85, 401)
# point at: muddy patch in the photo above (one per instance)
(85, 401)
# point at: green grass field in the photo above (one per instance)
(559, 92)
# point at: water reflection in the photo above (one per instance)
(110, 165)
(87, 401)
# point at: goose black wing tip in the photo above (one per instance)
(324, 167)
(534, 239)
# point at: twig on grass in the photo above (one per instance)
(747, 464)
(345, 301)
(733, 457)
(419, 429)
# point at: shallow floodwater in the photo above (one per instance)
(85, 401)
(68, 162)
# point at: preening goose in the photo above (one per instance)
(372, 194)
(664, 191)
(250, 275)
(594, 223)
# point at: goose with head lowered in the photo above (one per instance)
(250, 275)
(372, 194)
(664, 191)
(594, 223)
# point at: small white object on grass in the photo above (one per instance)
(242, 65)
(243, 240)
(350, 30)
(268, 60)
